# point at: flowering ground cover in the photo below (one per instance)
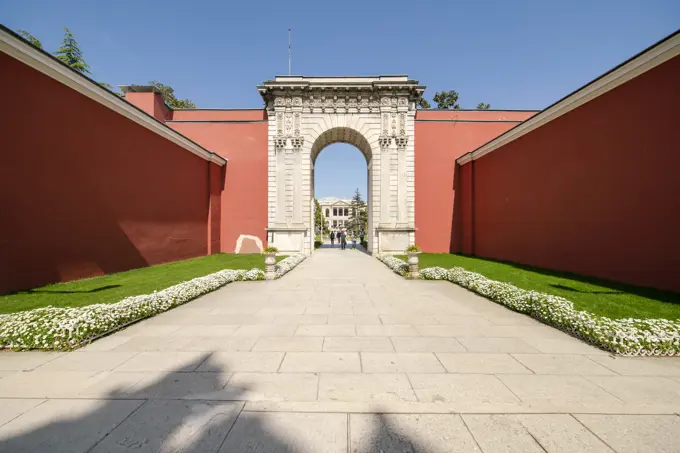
(600, 297)
(627, 336)
(67, 328)
(115, 287)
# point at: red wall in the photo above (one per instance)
(244, 144)
(595, 191)
(84, 191)
(441, 136)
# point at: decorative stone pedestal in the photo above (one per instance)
(269, 263)
(413, 268)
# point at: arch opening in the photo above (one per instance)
(335, 200)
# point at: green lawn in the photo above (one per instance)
(602, 297)
(114, 287)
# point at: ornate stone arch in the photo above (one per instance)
(376, 115)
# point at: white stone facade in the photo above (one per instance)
(375, 114)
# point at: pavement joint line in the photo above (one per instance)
(243, 405)
(509, 389)
(512, 354)
(460, 416)
(446, 370)
(591, 431)
(117, 425)
(28, 409)
(278, 370)
(602, 365)
(349, 432)
(585, 376)
(203, 361)
(528, 431)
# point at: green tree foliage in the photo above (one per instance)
(446, 99)
(421, 103)
(30, 38)
(70, 53)
(168, 94)
(358, 220)
(483, 106)
(320, 224)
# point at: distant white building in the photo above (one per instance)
(336, 212)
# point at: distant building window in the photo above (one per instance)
(335, 223)
(328, 212)
(335, 211)
(346, 212)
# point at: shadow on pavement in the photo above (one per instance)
(180, 412)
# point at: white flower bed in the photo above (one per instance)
(394, 263)
(623, 336)
(66, 328)
(285, 265)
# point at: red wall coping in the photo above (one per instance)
(474, 115)
(219, 115)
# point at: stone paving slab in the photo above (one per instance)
(461, 388)
(561, 364)
(321, 362)
(26, 361)
(423, 433)
(289, 344)
(64, 426)
(636, 433)
(402, 362)
(357, 344)
(482, 363)
(167, 426)
(288, 433)
(363, 387)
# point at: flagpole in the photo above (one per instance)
(289, 51)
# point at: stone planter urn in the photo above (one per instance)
(413, 268)
(269, 263)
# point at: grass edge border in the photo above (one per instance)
(62, 338)
(629, 337)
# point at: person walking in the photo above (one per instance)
(344, 240)
(332, 239)
(354, 241)
(361, 236)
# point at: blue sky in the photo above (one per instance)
(517, 55)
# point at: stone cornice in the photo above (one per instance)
(337, 92)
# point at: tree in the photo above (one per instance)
(30, 38)
(358, 220)
(483, 106)
(70, 53)
(421, 103)
(168, 94)
(319, 220)
(446, 99)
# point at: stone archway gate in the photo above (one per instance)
(375, 114)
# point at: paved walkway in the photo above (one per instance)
(341, 355)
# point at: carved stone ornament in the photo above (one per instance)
(297, 142)
(402, 141)
(280, 142)
(384, 141)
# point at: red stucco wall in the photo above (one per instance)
(595, 191)
(439, 141)
(244, 144)
(84, 191)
